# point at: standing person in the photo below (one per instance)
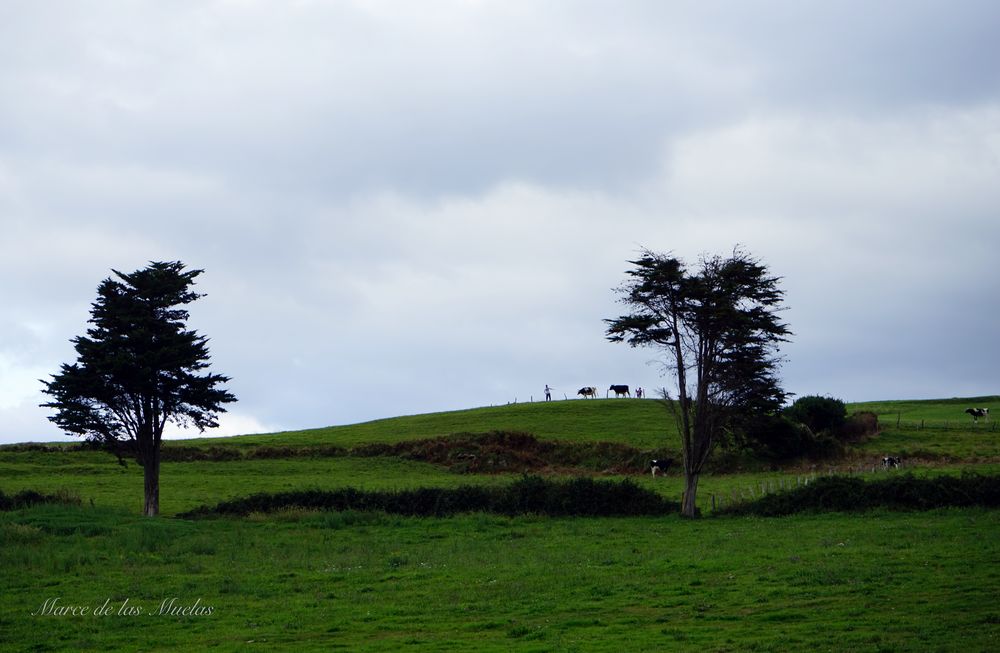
(548, 392)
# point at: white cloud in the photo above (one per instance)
(403, 209)
(230, 423)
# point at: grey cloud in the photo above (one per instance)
(407, 208)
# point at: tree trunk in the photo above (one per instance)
(688, 505)
(151, 478)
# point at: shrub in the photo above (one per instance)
(776, 437)
(184, 454)
(512, 451)
(858, 427)
(851, 494)
(529, 495)
(818, 413)
(26, 498)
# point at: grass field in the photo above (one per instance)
(300, 580)
(638, 423)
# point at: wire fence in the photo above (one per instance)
(896, 421)
(760, 488)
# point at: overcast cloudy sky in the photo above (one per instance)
(406, 207)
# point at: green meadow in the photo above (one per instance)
(311, 580)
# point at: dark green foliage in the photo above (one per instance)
(857, 427)
(137, 368)
(818, 413)
(852, 494)
(193, 454)
(813, 427)
(776, 437)
(719, 331)
(529, 495)
(26, 498)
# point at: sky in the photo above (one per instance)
(406, 207)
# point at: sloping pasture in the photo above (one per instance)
(308, 580)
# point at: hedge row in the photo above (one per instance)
(529, 495)
(852, 494)
(26, 498)
(492, 452)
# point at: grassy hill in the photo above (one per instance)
(939, 412)
(644, 424)
(309, 580)
(938, 428)
(641, 423)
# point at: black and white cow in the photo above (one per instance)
(619, 390)
(891, 462)
(588, 391)
(660, 465)
(978, 412)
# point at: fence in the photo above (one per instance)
(759, 489)
(764, 487)
(896, 421)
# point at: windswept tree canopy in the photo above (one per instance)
(138, 367)
(719, 332)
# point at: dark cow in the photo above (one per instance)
(891, 462)
(619, 391)
(659, 466)
(978, 412)
(588, 391)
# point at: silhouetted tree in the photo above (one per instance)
(138, 367)
(719, 331)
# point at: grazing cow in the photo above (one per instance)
(978, 412)
(619, 391)
(659, 466)
(891, 462)
(588, 391)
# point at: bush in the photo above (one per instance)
(779, 438)
(820, 414)
(512, 451)
(851, 494)
(858, 427)
(26, 498)
(182, 454)
(529, 495)
(776, 437)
